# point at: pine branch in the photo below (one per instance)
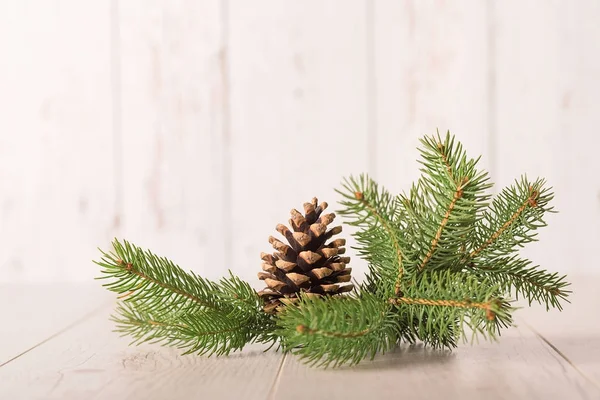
(206, 332)
(248, 307)
(376, 212)
(443, 207)
(518, 278)
(161, 301)
(340, 330)
(156, 282)
(512, 218)
(412, 328)
(458, 193)
(445, 303)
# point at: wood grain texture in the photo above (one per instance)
(34, 313)
(546, 112)
(90, 361)
(57, 192)
(574, 332)
(298, 112)
(520, 366)
(430, 72)
(172, 125)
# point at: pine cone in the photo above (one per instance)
(307, 265)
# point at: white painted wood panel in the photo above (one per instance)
(90, 361)
(192, 128)
(57, 188)
(430, 72)
(298, 113)
(547, 63)
(172, 95)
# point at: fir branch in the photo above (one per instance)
(518, 278)
(162, 302)
(458, 193)
(376, 212)
(206, 332)
(247, 306)
(512, 218)
(487, 306)
(305, 329)
(339, 330)
(443, 206)
(155, 282)
(446, 302)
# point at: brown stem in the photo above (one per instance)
(530, 202)
(131, 270)
(445, 160)
(307, 330)
(487, 306)
(434, 243)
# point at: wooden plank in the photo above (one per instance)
(57, 192)
(33, 313)
(520, 366)
(298, 109)
(172, 95)
(90, 361)
(548, 60)
(431, 72)
(574, 332)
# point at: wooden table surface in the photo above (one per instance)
(58, 343)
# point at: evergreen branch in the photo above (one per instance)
(156, 282)
(442, 152)
(487, 306)
(443, 206)
(518, 278)
(161, 301)
(375, 211)
(531, 201)
(206, 332)
(512, 218)
(247, 306)
(391, 232)
(340, 330)
(443, 303)
(458, 193)
(129, 268)
(309, 331)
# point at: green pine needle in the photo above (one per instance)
(340, 330)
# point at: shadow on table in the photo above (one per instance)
(407, 356)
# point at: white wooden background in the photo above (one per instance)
(192, 127)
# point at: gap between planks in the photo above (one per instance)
(555, 349)
(61, 331)
(277, 379)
